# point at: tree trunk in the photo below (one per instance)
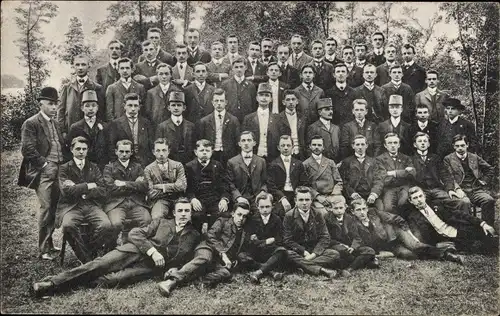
(162, 8)
(186, 16)
(140, 22)
(28, 48)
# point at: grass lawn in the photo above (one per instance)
(399, 287)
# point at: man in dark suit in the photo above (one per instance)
(424, 125)
(207, 187)
(354, 73)
(156, 106)
(68, 111)
(82, 193)
(324, 71)
(290, 123)
(383, 70)
(469, 177)
(232, 49)
(133, 127)
(199, 95)
(402, 89)
(306, 237)
(393, 125)
(154, 35)
(298, 57)
(433, 226)
(153, 249)
(324, 127)
(277, 88)
(247, 172)
(240, 92)
(413, 74)
(342, 96)
(43, 150)
(284, 175)
(374, 95)
(289, 74)
(360, 50)
(182, 72)
(256, 70)
(221, 128)
(92, 128)
(432, 97)
(331, 51)
(126, 192)
(196, 54)
(453, 125)
(309, 95)
(359, 126)
(108, 73)
(393, 174)
(266, 47)
(219, 67)
(145, 71)
(376, 57)
(431, 174)
(262, 123)
(115, 94)
(179, 131)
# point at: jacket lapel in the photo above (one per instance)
(156, 172)
(126, 126)
(45, 125)
(298, 219)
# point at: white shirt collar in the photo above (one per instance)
(45, 116)
(111, 61)
(223, 112)
(341, 219)
(78, 161)
(127, 81)
(243, 154)
(349, 65)
(452, 121)
(183, 64)
(422, 153)
(369, 85)
(274, 83)
(131, 118)
(176, 118)
(206, 164)
(305, 85)
(395, 121)
(85, 78)
(217, 61)
(287, 113)
(432, 91)
(378, 51)
(164, 88)
(283, 158)
(390, 63)
(330, 57)
(362, 122)
(325, 122)
(422, 125)
(192, 50)
(398, 83)
(265, 218)
(239, 79)
(340, 85)
(317, 157)
(285, 64)
(410, 63)
(88, 120)
(461, 157)
(261, 111)
(200, 86)
(124, 164)
(358, 156)
(298, 55)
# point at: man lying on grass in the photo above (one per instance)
(151, 250)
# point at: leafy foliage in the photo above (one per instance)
(74, 43)
(15, 110)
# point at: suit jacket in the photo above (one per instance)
(175, 185)
(214, 71)
(342, 104)
(267, 60)
(308, 100)
(431, 173)
(408, 99)
(251, 123)
(229, 60)
(324, 178)
(240, 100)
(246, 181)
(69, 112)
(374, 236)
(144, 69)
(436, 107)
(352, 171)
(375, 59)
(98, 142)
(447, 131)
(283, 126)
(272, 229)
(480, 168)
(73, 195)
(331, 138)
(167, 130)
(345, 233)
(324, 77)
(106, 76)
(159, 234)
(335, 61)
(387, 127)
(156, 106)
(312, 236)
(135, 190)
(382, 75)
(355, 77)
(230, 132)
(188, 74)
(431, 129)
(276, 176)
(281, 91)
(162, 56)
(199, 55)
(349, 130)
(115, 95)
(259, 74)
(290, 75)
(198, 103)
(222, 235)
(300, 62)
(35, 147)
(414, 76)
(219, 186)
(378, 108)
(119, 129)
(385, 163)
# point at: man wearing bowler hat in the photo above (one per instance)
(43, 150)
(178, 130)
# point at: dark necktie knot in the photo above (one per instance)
(180, 66)
(81, 81)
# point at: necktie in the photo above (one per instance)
(115, 64)
(253, 63)
(309, 86)
(318, 65)
(178, 122)
(180, 66)
(266, 60)
(220, 117)
(81, 80)
(286, 159)
(423, 157)
(80, 165)
(341, 88)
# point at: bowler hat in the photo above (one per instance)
(89, 96)
(453, 103)
(324, 103)
(395, 99)
(176, 96)
(48, 93)
(264, 88)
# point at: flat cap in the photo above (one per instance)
(455, 103)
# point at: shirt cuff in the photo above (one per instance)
(482, 224)
(151, 251)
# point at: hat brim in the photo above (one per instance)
(47, 98)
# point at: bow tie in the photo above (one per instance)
(393, 156)
(309, 86)
(115, 64)
(81, 80)
(180, 66)
(247, 156)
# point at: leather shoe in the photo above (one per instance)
(329, 273)
(374, 264)
(255, 276)
(47, 256)
(277, 276)
(345, 274)
(43, 288)
(166, 287)
(454, 258)
(55, 249)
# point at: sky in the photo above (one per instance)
(91, 12)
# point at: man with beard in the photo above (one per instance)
(266, 47)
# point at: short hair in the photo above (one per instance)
(308, 66)
(421, 106)
(314, 137)
(285, 137)
(161, 65)
(81, 56)
(243, 205)
(303, 189)
(413, 190)
(369, 65)
(331, 39)
(154, 30)
(183, 200)
(379, 33)
(161, 141)
(419, 134)
(283, 45)
(146, 43)
(297, 36)
(263, 196)
(336, 199)
(217, 43)
(347, 47)
(391, 45)
(339, 65)
(316, 41)
(431, 72)
(79, 139)
(266, 39)
(180, 46)
(408, 46)
(238, 59)
(115, 41)
(390, 134)
(124, 142)
(247, 133)
(361, 44)
(204, 143)
(199, 63)
(255, 43)
(132, 96)
(460, 137)
(232, 36)
(192, 29)
(355, 202)
(290, 91)
(125, 60)
(395, 66)
(359, 136)
(360, 101)
(219, 91)
(273, 63)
